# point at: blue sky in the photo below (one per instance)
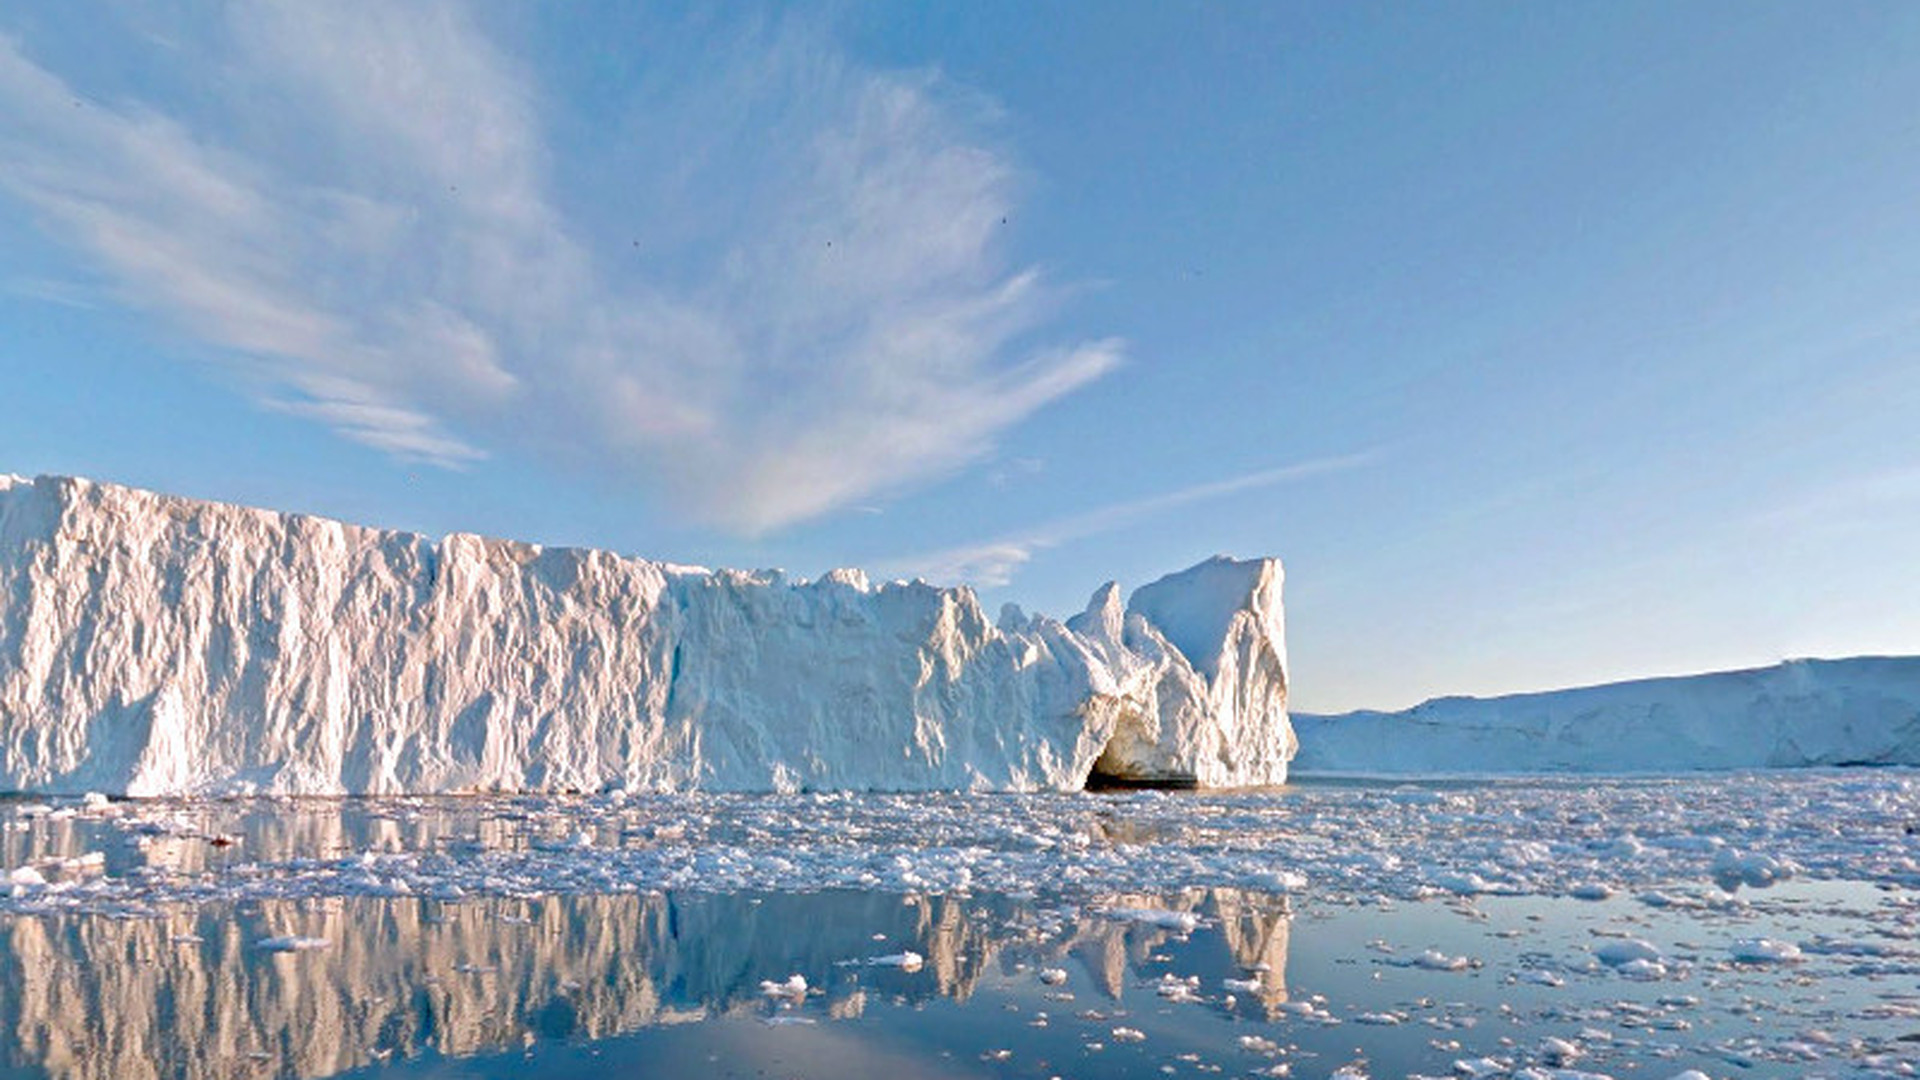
(1547, 343)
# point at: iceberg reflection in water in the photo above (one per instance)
(1768, 923)
(209, 992)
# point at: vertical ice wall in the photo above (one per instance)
(153, 645)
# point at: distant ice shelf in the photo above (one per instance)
(155, 645)
(1860, 711)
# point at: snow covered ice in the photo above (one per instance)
(153, 645)
(1859, 711)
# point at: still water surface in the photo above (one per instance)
(1317, 930)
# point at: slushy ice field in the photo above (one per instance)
(1734, 925)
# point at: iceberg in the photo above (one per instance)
(152, 645)
(1801, 713)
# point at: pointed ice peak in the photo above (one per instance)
(1195, 608)
(848, 576)
(1105, 616)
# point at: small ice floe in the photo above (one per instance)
(1691, 1074)
(1312, 1009)
(1435, 960)
(95, 800)
(1381, 1019)
(1183, 921)
(1643, 970)
(1558, 1074)
(788, 1020)
(1764, 951)
(1538, 977)
(1465, 884)
(1557, 1051)
(1176, 989)
(1591, 890)
(23, 878)
(794, 987)
(905, 960)
(1625, 847)
(1053, 976)
(1128, 1035)
(1241, 986)
(291, 943)
(1626, 951)
(1283, 881)
(1730, 867)
(1475, 1068)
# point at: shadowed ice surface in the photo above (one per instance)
(1747, 925)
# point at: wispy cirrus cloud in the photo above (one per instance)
(805, 302)
(993, 563)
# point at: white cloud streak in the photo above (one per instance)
(813, 309)
(994, 563)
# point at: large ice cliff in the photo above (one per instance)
(1861, 711)
(156, 645)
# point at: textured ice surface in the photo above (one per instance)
(1862, 711)
(1666, 843)
(152, 645)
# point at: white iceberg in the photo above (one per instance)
(153, 645)
(1860, 711)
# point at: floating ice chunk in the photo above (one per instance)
(26, 877)
(1626, 847)
(1591, 890)
(1732, 867)
(94, 800)
(1558, 1074)
(1643, 970)
(1691, 1074)
(1557, 1051)
(1466, 884)
(907, 960)
(1129, 1035)
(1475, 1068)
(1539, 977)
(794, 987)
(1435, 960)
(1765, 951)
(1380, 1019)
(1174, 988)
(291, 943)
(1183, 921)
(1626, 951)
(1241, 986)
(1053, 976)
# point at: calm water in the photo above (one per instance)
(1384, 930)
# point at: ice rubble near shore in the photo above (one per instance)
(154, 645)
(1861, 711)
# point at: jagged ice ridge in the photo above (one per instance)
(155, 645)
